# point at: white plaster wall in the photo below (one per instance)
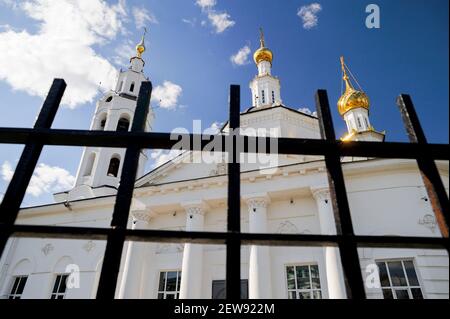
(384, 200)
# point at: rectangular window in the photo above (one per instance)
(169, 284)
(218, 289)
(18, 287)
(303, 282)
(273, 97)
(59, 288)
(359, 122)
(399, 280)
(263, 97)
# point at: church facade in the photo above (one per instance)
(386, 197)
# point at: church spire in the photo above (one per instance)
(348, 85)
(140, 47)
(265, 87)
(137, 63)
(353, 105)
(261, 38)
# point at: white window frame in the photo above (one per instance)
(176, 292)
(13, 294)
(298, 290)
(408, 287)
(55, 295)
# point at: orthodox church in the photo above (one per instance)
(386, 197)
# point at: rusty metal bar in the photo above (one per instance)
(428, 170)
(157, 140)
(348, 249)
(233, 255)
(116, 239)
(9, 207)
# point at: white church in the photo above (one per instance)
(386, 197)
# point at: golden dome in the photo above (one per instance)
(263, 53)
(351, 99)
(140, 47)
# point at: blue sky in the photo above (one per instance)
(188, 56)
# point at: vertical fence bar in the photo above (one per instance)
(15, 192)
(233, 258)
(115, 240)
(348, 249)
(428, 170)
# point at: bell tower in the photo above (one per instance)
(100, 167)
(265, 87)
(353, 106)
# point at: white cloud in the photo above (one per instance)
(206, 4)
(308, 14)
(62, 46)
(142, 16)
(13, 4)
(241, 57)
(45, 179)
(166, 95)
(191, 22)
(162, 156)
(307, 111)
(124, 52)
(214, 128)
(220, 21)
(7, 171)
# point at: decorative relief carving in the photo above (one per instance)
(89, 246)
(47, 249)
(257, 202)
(142, 215)
(322, 193)
(195, 210)
(428, 221)
(287, 227)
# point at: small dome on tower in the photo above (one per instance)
(351, 99)
(263, 53)
(140, 47)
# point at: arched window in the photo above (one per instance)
(273, 97)
(132, 87)
(263, 97)
(89, 165)
(123, 124)
(113, 169)
(359, 122)
(102, 122)
(121, 86)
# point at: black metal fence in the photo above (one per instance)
(41, 134)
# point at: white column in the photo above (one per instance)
(191, 272)
(131, 284)
(259, 277)
(333, 267)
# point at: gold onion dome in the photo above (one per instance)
(263, 53)
(140, 47)
(351, 99)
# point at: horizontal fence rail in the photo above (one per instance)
(346, 240)
(154, 140)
